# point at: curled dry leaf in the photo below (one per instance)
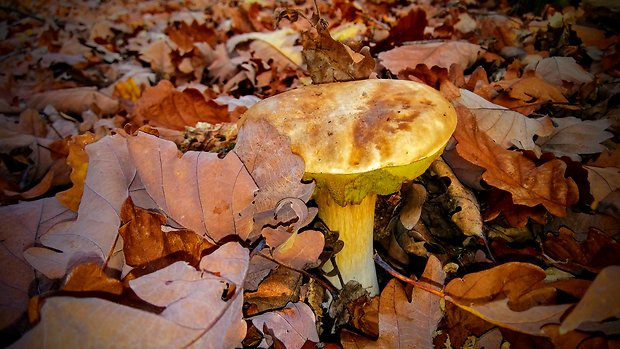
(329, 60)
(78, 160)
(599, 303)
(405, 324)
(93, 235)
(521, 284)
(21, 225)
(463, 201)
(293, 325)
(441, 54)
(513, 172)
(506, 127)
(200, 299)
(211, 196)
(74, 100)
(281, 42)
(594, 253)
(163, 105)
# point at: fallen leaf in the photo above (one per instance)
(163, 105)
(93, 235)
(404, 324)
(90, 277)
(157, 54)
(78, 160)
(300, 249)
(594, 253)
(513, 172)
(599, 303)
(573, 136)
(506, 127)
(144, 241)
(21, 225)
(194, 298)
(556, 70)
(441, 54)
(532, 89)
(603, 181)
(277, 171)
(74, 100)
(206, 194)
(329, 60)
(293, 325)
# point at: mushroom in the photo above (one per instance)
(360, 139)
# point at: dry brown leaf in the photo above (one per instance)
(293, 325)
(329, 60)
(508, 296)
(211, 196)
(533, 89)
(276, 170)
(74, 100)
(441, 54)
(513, 172)
(157, 54)
(599, 303)
(405, 324)
(90, 277)
(163, 105)
(266, 46)
(573, 136)
(144, 241)
(21, 225)
(594, 253)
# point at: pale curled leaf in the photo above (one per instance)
(599, 302)
(93, 234)
(280, 41)
(573, 136)
(293, 325)
(193, 298)
(506, 127)
(211, 196)
(21, 225)
(66, 320)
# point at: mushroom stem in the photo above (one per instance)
(354, 223)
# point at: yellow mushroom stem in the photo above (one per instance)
(354, 223)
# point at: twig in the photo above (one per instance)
(394, 273)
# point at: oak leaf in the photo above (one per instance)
(573, 136)
(405, 324)
(513, 172)
(277, 45)
(441, 54)
(78, 160)
(594, 253)
(158, 55)
(556, 70)
(163, 105)
(74, 100)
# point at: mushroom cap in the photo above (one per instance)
(345, 131)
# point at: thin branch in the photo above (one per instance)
(415, 283)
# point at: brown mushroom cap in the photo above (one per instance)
(361, 129)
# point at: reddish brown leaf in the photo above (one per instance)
(78, 160)
(594, 253)
(90, 277)
(513, 172)
(163, 105)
